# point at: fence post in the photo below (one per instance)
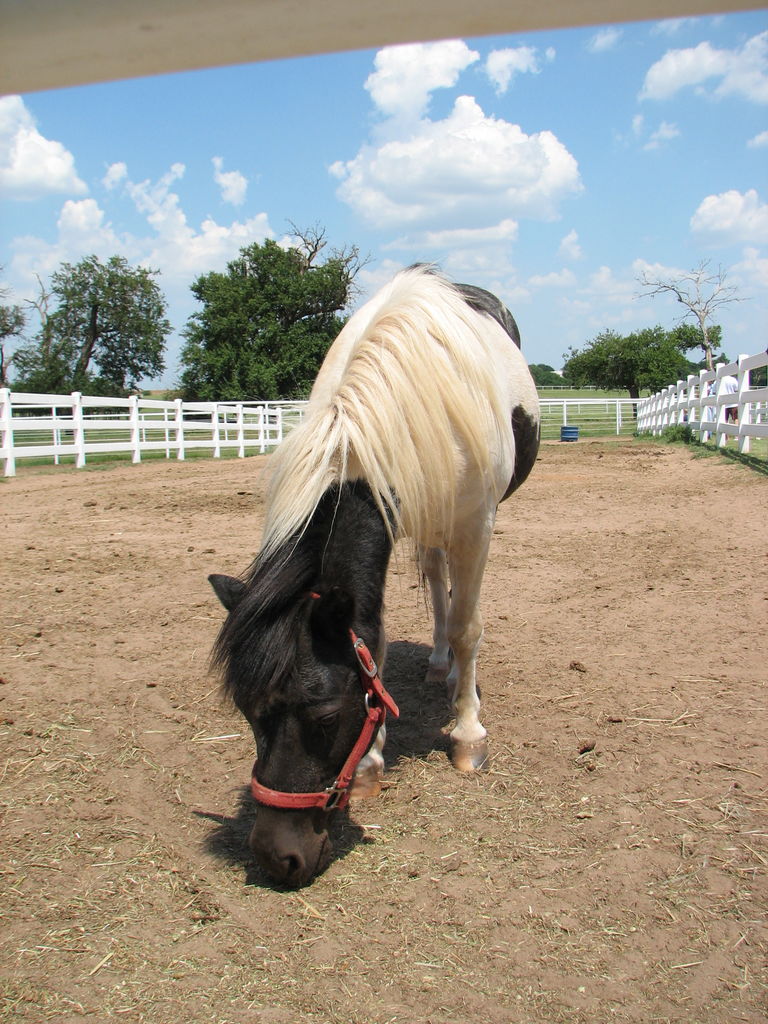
(260, 421)
(135, 428)
(705, 410)
(744, 408)
(6, 431)
(215, 431)
(721, 436)
(179, 425)
(691, 398)
(681, 395)
(78, 429)
(240, 431)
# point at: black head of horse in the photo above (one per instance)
(294, 650)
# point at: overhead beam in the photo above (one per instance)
(48, 44)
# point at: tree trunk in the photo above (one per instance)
(86, 352)
(634, 392)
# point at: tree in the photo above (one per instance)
(107, 329)
(267, 322)
(646, 359)
(701, 291)
(12, 322)
(544, 376)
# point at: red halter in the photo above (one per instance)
(377, 703)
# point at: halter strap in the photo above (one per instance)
(377, 703)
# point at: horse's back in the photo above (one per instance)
(510, 369)
(426, 395)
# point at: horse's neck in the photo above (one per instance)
(355, 546)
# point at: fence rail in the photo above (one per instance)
(595, 417)
(76, 426)
(704, 403)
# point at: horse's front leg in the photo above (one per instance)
(467, 559)
(435, 568)
(369, 776)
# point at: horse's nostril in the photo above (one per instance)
(294, 865)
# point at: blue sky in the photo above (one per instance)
(551, 168)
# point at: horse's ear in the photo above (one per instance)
(332, 613)
(228, 590)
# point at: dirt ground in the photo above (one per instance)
(611, 866)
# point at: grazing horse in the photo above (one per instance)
(423, 417)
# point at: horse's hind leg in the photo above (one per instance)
(435, 568)
(469, 746)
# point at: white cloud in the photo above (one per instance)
(671, 26)
(742, 72)
(759, 141)
(502, 65)
(81, 225)
(178, 249)
(603, 40)
(32, 166)
(116, 173)
(751, 270)
(468, 169)
(233, 184)
(557, 279)
(664, 133)
(81, 230)
(570, 248)
(505, 231)
(170, 244)
(732, 217)
(405, 76)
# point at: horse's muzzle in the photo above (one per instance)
(291, 846)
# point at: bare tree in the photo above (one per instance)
(312, 240)
(701, 291)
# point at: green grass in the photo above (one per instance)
(583, 393)
(756, 459)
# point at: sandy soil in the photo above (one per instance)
(610, 867)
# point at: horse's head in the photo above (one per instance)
(293, 668)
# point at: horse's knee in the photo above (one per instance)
(465, 640)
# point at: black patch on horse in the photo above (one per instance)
(273, 620)
(526, 429)
(485, 302)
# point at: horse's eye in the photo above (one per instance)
(327, 719)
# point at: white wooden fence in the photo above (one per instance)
(700, 403)
(595, 417)
(76, 426)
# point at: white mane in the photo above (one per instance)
(408, 400)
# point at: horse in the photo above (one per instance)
(423, 418)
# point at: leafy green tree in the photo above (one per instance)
(645, 359)
(12, 322)
(544, 376)
(103, 328)
(688, 337)
(266, 324)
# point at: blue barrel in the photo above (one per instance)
(569, 433)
